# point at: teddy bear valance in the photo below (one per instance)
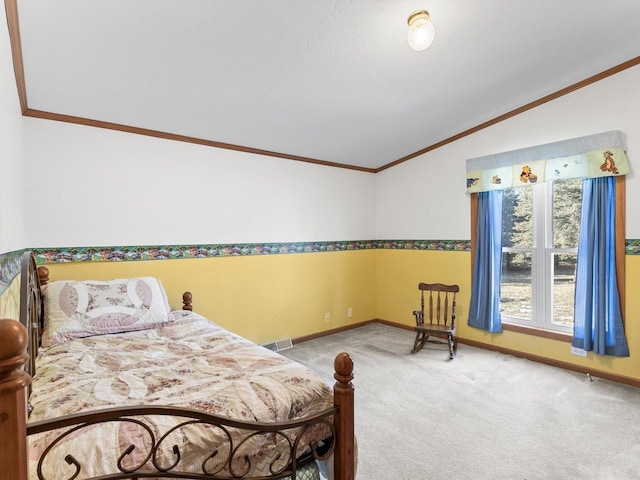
(592, 156)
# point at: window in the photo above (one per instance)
(540, 260)
(540, 233)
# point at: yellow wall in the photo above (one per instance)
(266, 298)
(400, 271)
(263, 298)
(10, 300)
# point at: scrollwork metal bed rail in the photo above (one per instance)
(226, 458)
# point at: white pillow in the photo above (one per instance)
(81, 309)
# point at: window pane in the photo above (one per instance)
(515, 286)
(567, 200)
(564, 278)
(517, 218)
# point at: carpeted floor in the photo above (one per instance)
(483, 415)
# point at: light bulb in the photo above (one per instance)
(421, 31)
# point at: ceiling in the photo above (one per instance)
(326, 81)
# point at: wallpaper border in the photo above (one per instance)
(167, 252)
(10, 267)
(10, 262)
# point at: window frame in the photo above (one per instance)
(620, 207)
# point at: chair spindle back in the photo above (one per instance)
(439, 294)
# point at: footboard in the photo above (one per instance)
(292, 445)
(233, 449)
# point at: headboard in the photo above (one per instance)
(31, 309)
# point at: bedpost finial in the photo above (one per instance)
(43, 275)
(343, 366)
(13, 340)
(186, 301)
(13, 354)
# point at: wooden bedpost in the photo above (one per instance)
(343, 390)
(186, 301)
(13, 399)
(43, 275)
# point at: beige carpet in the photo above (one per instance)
(484, 415)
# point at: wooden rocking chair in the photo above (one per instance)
(440, 323)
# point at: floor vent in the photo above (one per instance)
(278, 345)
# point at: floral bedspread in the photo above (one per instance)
(190, 362)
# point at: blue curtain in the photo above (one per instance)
(597, 321)
(484, 309)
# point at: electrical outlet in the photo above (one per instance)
(350, 312)
(327, 317)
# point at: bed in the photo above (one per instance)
(103, 380)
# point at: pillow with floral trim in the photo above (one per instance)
(82, 309)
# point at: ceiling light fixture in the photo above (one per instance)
(421, 31)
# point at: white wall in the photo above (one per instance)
(91, 187)
(12, 224)
(103, 187)
(411, 198)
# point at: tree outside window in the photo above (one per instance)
(540, 231)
